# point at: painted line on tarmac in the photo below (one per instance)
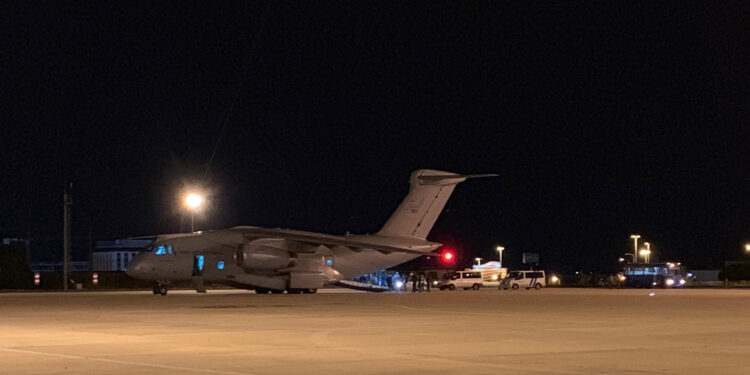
(449, 311)
(120, 362)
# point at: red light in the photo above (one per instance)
(448, 256)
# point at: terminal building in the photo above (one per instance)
(115, 255)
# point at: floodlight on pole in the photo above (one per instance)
(635, 238)
(646, 253)
(500, 249)
(193, 201)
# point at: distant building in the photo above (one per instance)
(73, 266)
(115, 255)
(704, 275)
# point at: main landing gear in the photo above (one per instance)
(160, 289)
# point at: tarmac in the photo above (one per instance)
(552, 331)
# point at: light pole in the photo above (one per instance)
(500, 251)
(193, 201)
(635, 238)
(479, 261)
(646, 253)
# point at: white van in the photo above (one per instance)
(525, 279)
(462, 279)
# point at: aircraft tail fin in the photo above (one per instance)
(428, 194)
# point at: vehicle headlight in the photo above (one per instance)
(399, 284)
(554, 279)
(494, 277)
(682, 281)
(621, 277)
(670, 282)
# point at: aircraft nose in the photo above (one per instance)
(135, 268)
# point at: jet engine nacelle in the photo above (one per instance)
(259, 257)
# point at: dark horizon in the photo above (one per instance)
(602, 120)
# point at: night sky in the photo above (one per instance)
(602, 119)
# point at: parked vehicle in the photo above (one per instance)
(525, 279)
(462, 279)
(658, 275)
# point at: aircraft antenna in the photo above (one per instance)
(226, 120)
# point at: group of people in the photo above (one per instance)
(419, 282)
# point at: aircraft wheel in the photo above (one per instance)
(261, 291)
(537, 286)
(451, 287)
(475, 287)
(309, 291)
(277, 291)
(163, 290)
(156, 290)
(294, 291)
(515, 287)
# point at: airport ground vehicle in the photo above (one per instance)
(525, 279)
(660, 275)
(461, 279)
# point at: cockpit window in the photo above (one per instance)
(164, 250)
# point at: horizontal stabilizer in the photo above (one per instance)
(450, 179)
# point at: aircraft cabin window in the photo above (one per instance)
(220, 265)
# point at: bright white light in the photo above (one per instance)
(670, 282)
(644, 252)
(682, 281)
(193, 200)
(494, 277)
(399, 284)
(554, 279)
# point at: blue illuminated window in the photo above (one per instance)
(220, 265)
(200, 261)
(161, 250)
(328, 260)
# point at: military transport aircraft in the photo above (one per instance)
(278, 260)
